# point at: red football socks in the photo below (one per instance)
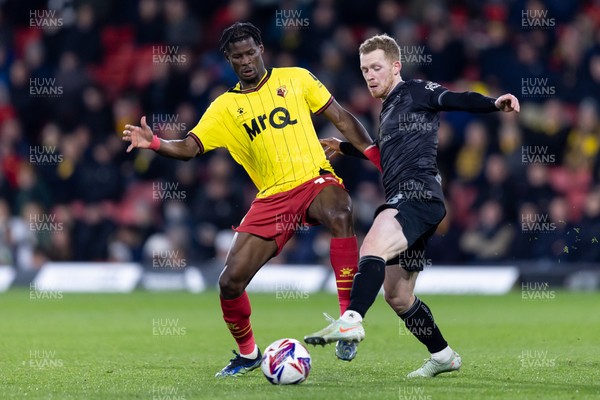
(236, 313)
(344, 260)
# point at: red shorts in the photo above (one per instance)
(279, 216)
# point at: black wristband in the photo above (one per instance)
(348, 149)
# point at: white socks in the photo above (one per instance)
(252, 355)
(443, 356)
(351, 316)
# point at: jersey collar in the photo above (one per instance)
(236, 88)
(394, 92)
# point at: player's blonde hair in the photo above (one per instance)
(384, 42)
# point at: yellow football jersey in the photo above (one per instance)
(268, 129)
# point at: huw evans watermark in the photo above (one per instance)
(162, 123)
(290, 291)
(414, 55)
(537, 155)
(167, 191)
(44, 87)
(43, 293)
(44, 223)
(536, 19)
(413, 393)
(415, 326)
(167, 327)
(168, 260)
(537, 223)
(536, 359)
(412, 191)
(290, 222)
(42, 359)
(537, 87)
(44, 155)
(291, 19)
(166, 393)
(537, 291)
(415, 122)
(168, 55)
(46, 19)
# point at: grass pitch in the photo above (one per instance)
(169, 346)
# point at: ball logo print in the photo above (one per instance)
(286, 362)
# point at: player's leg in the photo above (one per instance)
(398, 286)
(247, 255)
(384, 240)
(332, 208)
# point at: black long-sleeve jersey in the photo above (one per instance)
(407, 136)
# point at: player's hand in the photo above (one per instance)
(331, 146)
(140, 137)
(507, 103)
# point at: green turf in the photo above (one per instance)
(105, 347)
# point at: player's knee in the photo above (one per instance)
(399, 302)
(230, 287)
(339, 220)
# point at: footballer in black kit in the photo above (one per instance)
(393, 251)
(408, 140)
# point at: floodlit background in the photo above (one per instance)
(522, 190)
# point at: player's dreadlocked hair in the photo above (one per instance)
(237, 32)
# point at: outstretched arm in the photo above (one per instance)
(141, 137)
(477, 103)
(354, 131)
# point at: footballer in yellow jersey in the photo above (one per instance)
(264, 122)
(268, 129)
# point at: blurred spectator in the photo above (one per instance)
(83, 38)
(471, 156)
(491, 238)
(554, 231)
(149, 28)
(588, 245)
(97, 63)
(499, 185)
(583, 141)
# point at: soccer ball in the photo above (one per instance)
(286, 362)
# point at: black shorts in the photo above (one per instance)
(419, 220)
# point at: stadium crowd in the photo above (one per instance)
(518, 187)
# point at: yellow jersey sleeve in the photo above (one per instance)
(208, 132)
(316, 94)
